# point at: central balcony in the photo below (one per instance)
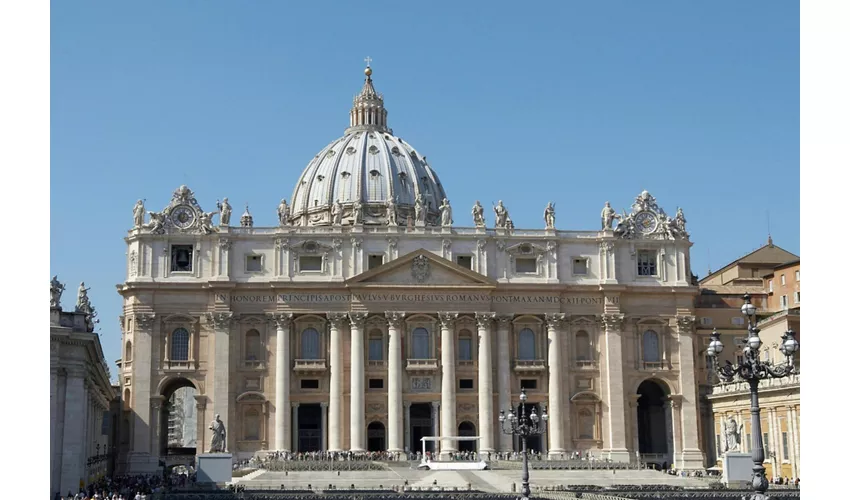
(529, 365)
(310, 366)
(422, 365)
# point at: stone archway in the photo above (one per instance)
(466, 429)
(178, 419)
(654, 423)
(376, 437)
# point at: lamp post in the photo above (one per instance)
(523, 424)
(752, 369)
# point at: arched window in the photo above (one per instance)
(128, 351)
(421, 344)
(527, 349)
(464, 346)
(583, 346)
(253, 346)
(310, 344)
(180, 345)
(126, 399)
(252, 425)
(586, 424)
(651, 349)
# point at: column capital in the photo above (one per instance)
(485, 319)
(556, 321)
(675, 400)
(686, 323)
(612, 322)
(281, 320)
(324, 405)
(219, 320)
(295, 404)
(200, 402)
(504, 320)
(394, 318)
(144, 320)
(447, 319)
(358, 319)
(337, 319)
(407, 404)
(435, 405)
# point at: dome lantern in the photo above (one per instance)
(368, 112)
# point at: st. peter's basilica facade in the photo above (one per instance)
(372, 316)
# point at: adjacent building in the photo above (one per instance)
(771, 276)
(80, 396)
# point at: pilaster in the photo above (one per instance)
(395, 323)
(555, 328)
(448, 420)
(485, 382)
(358, 389)
(504, 356)
(220, 322)
(282, 377)
(337, 320)
(692, 456)
(615, 432)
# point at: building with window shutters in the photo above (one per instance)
(370, 316)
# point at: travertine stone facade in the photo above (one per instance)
(371, 317)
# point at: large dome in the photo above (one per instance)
(363, 170)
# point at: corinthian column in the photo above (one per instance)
(504, 356)
(358, 390)
(485, 382)
(448, 420)
(282, 377)
(615, 435)
(335, 402)
(221, 364)
(692, 457)
(395, 321)
(555, 323)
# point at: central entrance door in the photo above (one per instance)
(466, 429)
(377, 437)
(421, 425)
(309, 427)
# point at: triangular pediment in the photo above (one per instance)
(421, 268)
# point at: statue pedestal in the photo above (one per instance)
(737, 469)
(215, 468)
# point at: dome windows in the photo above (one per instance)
(330, 154)
(320, 178)
(350, 150)
(374, 173)
(395, 151)
(345, 175)
(373, 149)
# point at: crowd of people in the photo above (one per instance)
(136, 487)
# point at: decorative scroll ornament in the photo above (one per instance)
(448, 319)
(395, 319)
(485, 319)
(337, 320)
(613, 322)
(420, 268)
(281, 320)
(556, 321)
(686, 323)
(183, 214)
(144, 321)
(646, 220)
(220, 320)
(358, 319)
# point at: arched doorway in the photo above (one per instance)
(376, 437)
(178, 419)
(654, 429)
(466, 429)
(533, 443)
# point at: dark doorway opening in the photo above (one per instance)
(178, 420)
(533, 443)
(466, 429)
(309, 427)
(376, 437)
(652, 421)
(421, 425)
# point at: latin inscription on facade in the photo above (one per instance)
(412, 298)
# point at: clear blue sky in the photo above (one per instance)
(574, 102)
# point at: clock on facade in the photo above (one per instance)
(646, 222)
(183, 217)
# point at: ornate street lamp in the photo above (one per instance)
(753, 370)
(523, 424)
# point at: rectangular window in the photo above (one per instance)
(375, 261)
(376, 349)
(464, 261)
(783, 302)
(528, 383)
(309, 383)
(181, 258)
(770, 286)
(310, 263)
(796, 297)
(580, 267)
(797, 275)
(782, 279)
(254, 263)
(705, 321)
(647, 265)
(525, 265)
(376, 383)
(464, 349)
(738, 321)
(466, 383)
(785, 453)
